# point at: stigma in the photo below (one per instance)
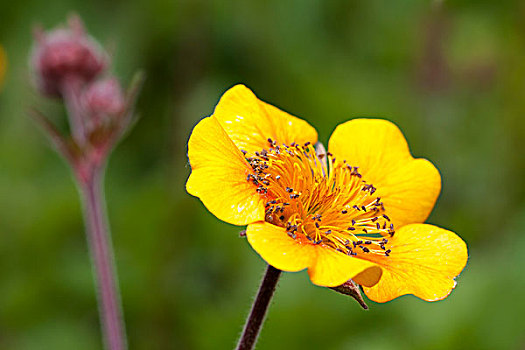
(319, 199)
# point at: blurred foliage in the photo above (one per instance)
(452, 77)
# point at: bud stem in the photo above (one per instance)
(101, 251)
(71, 89)
(259, 309)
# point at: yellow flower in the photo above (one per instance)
(355, 213)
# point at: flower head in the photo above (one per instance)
(66, 54)
(68, 63)
(355, 212)
(104, 102)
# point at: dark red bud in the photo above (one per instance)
(66, 54)
(104, 98)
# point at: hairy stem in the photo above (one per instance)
(71, 89)
(259, 309)
(99, 240)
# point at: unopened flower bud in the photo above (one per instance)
(350, 288)
(104, 98)
(66, 54)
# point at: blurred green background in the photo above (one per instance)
(451, 76)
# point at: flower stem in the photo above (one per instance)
(101, 250)
(259, 309)
(71, 89)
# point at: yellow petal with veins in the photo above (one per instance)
(250, 122)
(218, 175)
(408, 187)
(326, 266)
(424, 261)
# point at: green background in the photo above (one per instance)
(452, 77)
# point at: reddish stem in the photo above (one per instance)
(259, 309)
(99, 240)
(71, 89)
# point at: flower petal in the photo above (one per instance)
(218, 175)
(249, 122)
(278, 249)
(408, 187)
(326, 266)
(332, 268)
(424, 261)
(369, 277)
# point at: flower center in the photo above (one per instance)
(321, 204)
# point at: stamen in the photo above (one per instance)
(330, 205)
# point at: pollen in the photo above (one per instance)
(320, 200)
